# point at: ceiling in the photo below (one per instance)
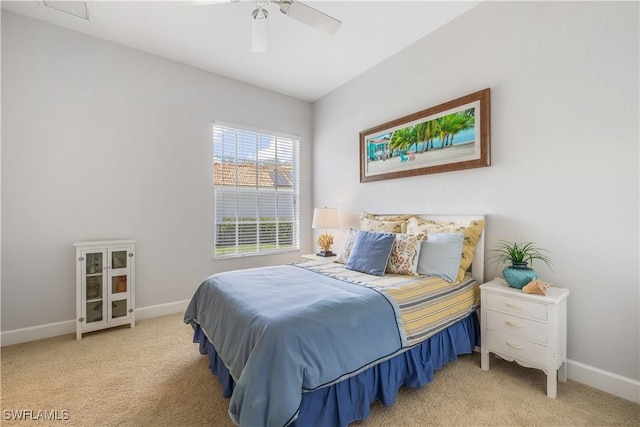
(301, 62)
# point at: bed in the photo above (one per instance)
(317, 343)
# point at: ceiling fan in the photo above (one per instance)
(292, 8)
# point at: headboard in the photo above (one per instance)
(477, 266)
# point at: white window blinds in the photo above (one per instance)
(256, 191)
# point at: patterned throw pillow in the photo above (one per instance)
(405, 254)
(384, 223)
(471, 230)
(347, 246)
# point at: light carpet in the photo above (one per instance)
(153, 375)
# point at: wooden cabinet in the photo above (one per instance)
(528, 329)
(105, 284)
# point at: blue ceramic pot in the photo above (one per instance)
(517, 277)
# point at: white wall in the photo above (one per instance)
(565, 159)
(103, 141)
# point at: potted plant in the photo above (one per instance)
(520, 255)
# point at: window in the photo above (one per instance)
(256, 191)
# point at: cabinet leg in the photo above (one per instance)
(552, 383)
(562, 373)
(484, 359)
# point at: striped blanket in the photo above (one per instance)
(427, 305)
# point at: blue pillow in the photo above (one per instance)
(440, 255)
(370, 252)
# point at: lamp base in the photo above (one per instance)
(325, 254)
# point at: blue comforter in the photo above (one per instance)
(281, 330)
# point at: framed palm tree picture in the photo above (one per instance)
(448, 137)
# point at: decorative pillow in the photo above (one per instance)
(393, 217)
(347, 245)
(370, 252)
(405, 254)
(440, 255)
(471, 230)
(384, 223)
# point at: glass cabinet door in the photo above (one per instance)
(94, 275)
(119, 285)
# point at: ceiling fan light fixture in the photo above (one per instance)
(260, 13)
(260, 30)
(284, 6)
(292, 8)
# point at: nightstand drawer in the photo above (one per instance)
(517, 326)
(518, 348)
(516, 306)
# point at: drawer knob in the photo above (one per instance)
(514, 324)
(512, 305)
(510, 344)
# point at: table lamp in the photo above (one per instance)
(325, 218)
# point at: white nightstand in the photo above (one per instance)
(529, 329)
(317, 258)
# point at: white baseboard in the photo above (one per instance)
(608, 382)
(161, 309)
(33, 333)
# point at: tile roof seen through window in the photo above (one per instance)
(252, 175)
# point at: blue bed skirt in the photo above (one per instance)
(350, 400)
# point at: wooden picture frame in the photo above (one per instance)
(451, 136)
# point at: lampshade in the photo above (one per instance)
(325, 218)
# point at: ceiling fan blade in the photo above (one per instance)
(310, 16)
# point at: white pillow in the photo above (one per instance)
(440, 255)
